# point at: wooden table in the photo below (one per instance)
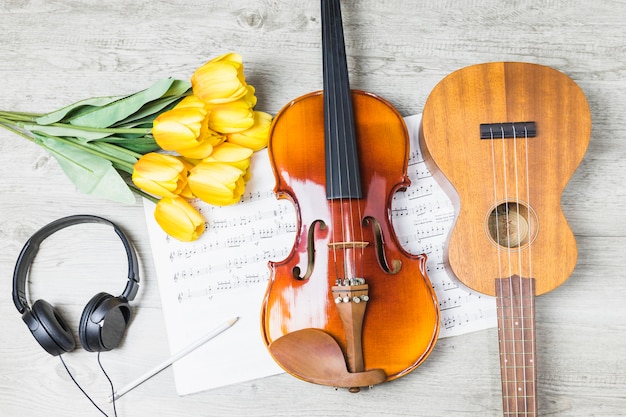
(53, 53)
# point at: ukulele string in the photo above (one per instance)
(530, 272)
(509, 273)
(494, 171)
(507, 215)
(522, 325)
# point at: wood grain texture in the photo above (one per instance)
(58, 51)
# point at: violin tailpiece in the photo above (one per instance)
(315, 356)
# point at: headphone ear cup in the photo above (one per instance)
(49, 328)
(103, 322)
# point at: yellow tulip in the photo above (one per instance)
(217, 183)
(232, 117)
(179, 219)
(204, 149)
(255, 137)
(220, 80)
(160, 174)
(184, 129)
(191, 102)
(232, 154)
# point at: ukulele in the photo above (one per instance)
(348, 307)
(508, 136)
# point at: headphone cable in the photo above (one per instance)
(110, 383)
(83, 391)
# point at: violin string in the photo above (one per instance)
(339, 107)
(328, 95)
(350, 158)
(343, 115)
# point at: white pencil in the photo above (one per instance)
(195, 345)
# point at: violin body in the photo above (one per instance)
(349, 307)
(401, 323)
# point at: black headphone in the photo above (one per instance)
(104, 318)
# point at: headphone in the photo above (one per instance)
(104, 318)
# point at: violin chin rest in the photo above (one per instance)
(315, 356)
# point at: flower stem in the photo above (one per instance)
(21, 116)
(120, 149)
(143, 194)
(120, 130)
(7, 125)
(119, 163)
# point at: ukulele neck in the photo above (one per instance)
(515, 298)
(342, 166)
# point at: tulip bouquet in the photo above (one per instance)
(176, 140)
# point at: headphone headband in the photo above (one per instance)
(27, 255)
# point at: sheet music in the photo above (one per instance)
(224, 273)
(422, 218)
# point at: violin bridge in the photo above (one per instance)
(347, 245)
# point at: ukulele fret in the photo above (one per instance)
(516, 331)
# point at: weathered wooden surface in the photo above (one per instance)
(55, 52)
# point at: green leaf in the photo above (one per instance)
(61, 113)
(111, 113)
(149, 111)
(114, 151)
(65, 131)
(142, 144)
(91, 174)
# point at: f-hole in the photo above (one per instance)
(310, 247)
(396, 264)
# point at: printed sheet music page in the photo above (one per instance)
(224, 274)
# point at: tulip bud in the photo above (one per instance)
(217, 183)
(232, 154)
(179, 219)
(255, 137)
(231, 117)
(185, 129)
(220, 80)
(161, 175)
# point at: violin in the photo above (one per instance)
(507, 136)
(348, 307)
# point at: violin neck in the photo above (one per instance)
(516, 330)
(342, 167)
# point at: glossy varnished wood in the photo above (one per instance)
(297, 153)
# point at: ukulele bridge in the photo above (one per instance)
(508, 130)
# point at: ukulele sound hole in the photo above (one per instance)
(512, 225)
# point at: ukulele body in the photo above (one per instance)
(535, 124)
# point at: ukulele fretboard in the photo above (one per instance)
(516, 331)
